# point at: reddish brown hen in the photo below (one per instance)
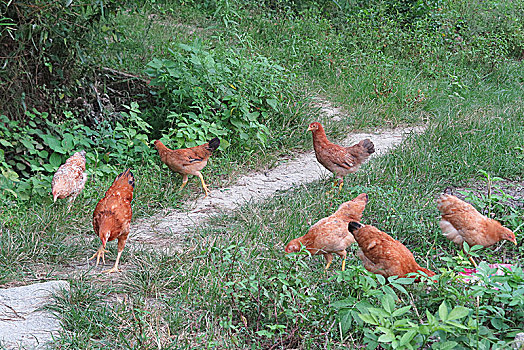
(337, 159)
(383, 255)
(188, 161)
(330, 235)
(69, 180)
(461, 222)
(112, 216)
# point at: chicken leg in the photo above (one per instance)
(115, 267)
(100, 254)
(121, 245)
(343, 255)
(329, 259)
(184, 181)
(204, 186)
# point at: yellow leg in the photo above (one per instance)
(327, 266)
(114, 268)
(204, 186)
(343, 264)
(340, 185)
(100, 254)
(184, 181)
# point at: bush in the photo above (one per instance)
(230, 94)
(34, 150)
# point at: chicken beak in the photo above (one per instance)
(309, 128)
(515, 242)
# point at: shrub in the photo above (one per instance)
(202, 93)
(34, 150)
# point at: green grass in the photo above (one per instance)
(234, 287)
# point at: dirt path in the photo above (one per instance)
(169, 228)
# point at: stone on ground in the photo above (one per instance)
(24, 324)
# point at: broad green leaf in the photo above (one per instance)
(6, 143)
(386, 338)
(448, 345)
(457, 312)
(345, 319)
(408, 336)
(55, 160)
(443, 311)
(388, 303)
(272, 102)
(401, 311)
(368, 318)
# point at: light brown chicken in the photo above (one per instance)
(337, 159)
(330, 235)
(383, 255)
(70, 178)
(112, 216)
(188, 161)
(461, 222)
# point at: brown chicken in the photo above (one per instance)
(383, 255)
(337, 159)
(112, 216)
(188, 161)
(330, 235)
(461, 222)
(69, 180)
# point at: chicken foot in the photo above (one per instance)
(204, 186)
(100, 254)
(115, 267)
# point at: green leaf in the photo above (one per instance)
(388, 303)
(273, 103)
(55, 160)
(401, 311)
(386, 338)
(345, 319)
(53, 143)
(457, 312)
(408, 336)
(443, 311)
(497, 323)
(6, 143)
(368, 318)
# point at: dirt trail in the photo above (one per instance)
(169, 228)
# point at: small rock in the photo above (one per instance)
(519, 341)
(23, 322)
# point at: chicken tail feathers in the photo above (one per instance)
(214, 143)
(127, 175)
(368, 145)
(354, 226)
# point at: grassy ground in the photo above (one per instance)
(234, 287)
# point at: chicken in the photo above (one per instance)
(330, 235)
(188, 161)
(70, 178)
(383, 255)
(112, 216)
(337, 159)
(461, 222)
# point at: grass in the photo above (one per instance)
(233, 287)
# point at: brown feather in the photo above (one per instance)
(461, 222)
(383, 255)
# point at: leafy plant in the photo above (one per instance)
(216, 93)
